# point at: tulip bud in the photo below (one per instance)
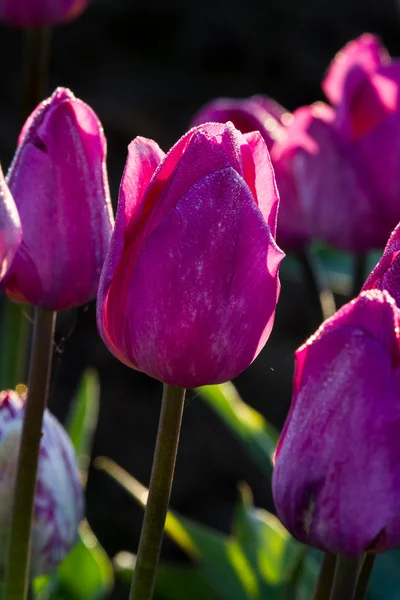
(190, 284)
(260, 113)
(58, 505)
(59, 183)
(336, 482)
(10, 228)
(40, 13)
(386, 274)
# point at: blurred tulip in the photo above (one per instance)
(260, 113)
(59, 183)
(336, 481)
(386, 274)
(10, 228)
(345, 159)
(39, 13)
(58, 506)
(190, 284)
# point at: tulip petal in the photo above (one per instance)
(326, 494)
(366, 52)
(10, 228)
(25, 13)
(386, 274)
(63, 155)
(259, 175)
(218, 249)
(144, 156)
(335, 186)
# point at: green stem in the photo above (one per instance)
(321, 297)
(346, 575)
(159, 493)
(325, 577)
(16, 326)
(360, 263)
(19, 546)
(363, 580)
(36, 68)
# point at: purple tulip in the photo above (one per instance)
(190, 284)
(10, 228)
(59, 183)
(39, 13)
(336, 481)
(58, 505)
(346, 158)
(386, 274)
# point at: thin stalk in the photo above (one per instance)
(360, 263)
(363, 580)
(321, 296)
(346, 575)
(325, 577)
(159, 493)
(19, 546)
(15, 322)
(36, 68)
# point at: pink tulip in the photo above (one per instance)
(39, 13)
(260, 113)
(10, 228)
(190, 284)
(336, 481)
(346, 157)
(59, 183)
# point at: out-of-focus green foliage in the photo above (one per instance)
(173, 582)
(256, 561)
(85, 574)
(258, 437)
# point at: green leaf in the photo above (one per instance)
(257, 435)
(268, 546)
(85, 574)
(219, 557)
(172, 583)
(82, 418)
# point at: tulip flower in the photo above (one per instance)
(260, 113)
(59, 183)
(58, 506)
(345, 158)
(336, 482)
(10, 228)
(40, 13)
(190, 284)
(386, 274)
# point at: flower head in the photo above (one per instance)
(59, 183)
(336, 482)
(58, 505)
(190, 284)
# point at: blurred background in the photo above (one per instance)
(146, 66)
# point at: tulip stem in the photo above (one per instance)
(322, 300)
(365, 574)
(159, 493)
(36, 67)
(360, 263)
(325, 577)
(19, 546)
(346, 575)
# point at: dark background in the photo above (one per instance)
(146, 66)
